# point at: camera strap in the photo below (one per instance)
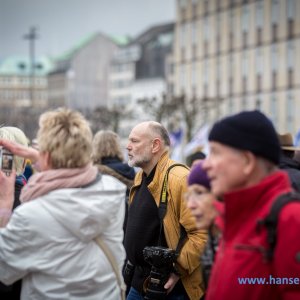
(162, 209)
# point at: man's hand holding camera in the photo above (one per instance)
(171, 282)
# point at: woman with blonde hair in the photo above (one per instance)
(50, 239)
(108, 157)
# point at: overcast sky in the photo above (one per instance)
(62, 23)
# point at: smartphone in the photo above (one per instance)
(7, 159)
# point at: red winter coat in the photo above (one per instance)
(242, 248)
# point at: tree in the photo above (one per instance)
(192, 108)
(159, 108)
(103, 118)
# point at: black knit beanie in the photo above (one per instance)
(248, 130)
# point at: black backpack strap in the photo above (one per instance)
(181, 240)
(162, 209)
(271, 220)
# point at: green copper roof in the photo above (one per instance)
(121, 40)
(68, 54)
(20, 66)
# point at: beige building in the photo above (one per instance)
(19, 86)
(234, 55)
(80, 77)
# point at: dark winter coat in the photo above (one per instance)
(292, 168)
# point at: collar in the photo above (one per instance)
(150, 177)
(252, 203)
(155, 185)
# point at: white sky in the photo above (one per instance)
(62, 23)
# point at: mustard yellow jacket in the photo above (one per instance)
(188, 261)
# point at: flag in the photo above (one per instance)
(176, 138)
(199, 140)
(297, 138)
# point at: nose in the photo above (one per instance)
(206, 163)
(128, 147)
(191, 202)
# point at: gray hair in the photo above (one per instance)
(160, 130)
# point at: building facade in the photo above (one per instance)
(80, 77)
(138, 73)
(22, 87)
(23, 92)
(235, 55)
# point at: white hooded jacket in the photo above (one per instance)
(49, 242)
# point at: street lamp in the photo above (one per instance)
(31, 36)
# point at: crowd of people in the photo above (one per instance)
(79, 222)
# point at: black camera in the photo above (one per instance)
(162, 264)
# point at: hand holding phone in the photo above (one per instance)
(7, 159)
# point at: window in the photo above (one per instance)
(258, 102)
(291, 9)
(245, 18)
(182, 35)
(182, 3)
(275, 11)
(259, 61)
(182, 77)
(206, 72)
(290, 55)
(230, 105)
(218, 33)
(205, 6)
(274, 108)
(206, 29)
(230, 65)
(194, 33)
(274, 58)
(218, 68)
(245, 63)
(290, 111)
(259, 14)
(205, 78)
(244, 103)
(194, 75)
(231, 29)
(231, 21)
(218, 24)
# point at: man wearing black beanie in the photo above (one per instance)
(242, 167)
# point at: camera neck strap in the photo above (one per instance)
(162, 209)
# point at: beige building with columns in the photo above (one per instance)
(234, 55)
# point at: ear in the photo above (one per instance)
(156, 145)
(48, 160)
(250, 162)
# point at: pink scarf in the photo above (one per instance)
(42, 183)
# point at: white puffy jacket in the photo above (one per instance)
(49, 243)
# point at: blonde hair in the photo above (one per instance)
(106, 144)
(67, 137)
(16, 135)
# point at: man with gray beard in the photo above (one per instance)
(148, 149)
